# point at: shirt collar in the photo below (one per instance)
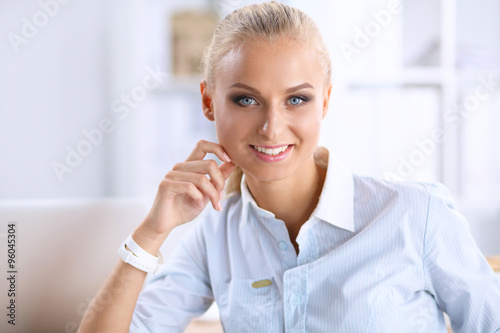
(336, 202)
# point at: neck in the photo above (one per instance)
(293, 199)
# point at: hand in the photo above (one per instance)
(186, 189)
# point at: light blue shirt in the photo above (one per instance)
(375, 256)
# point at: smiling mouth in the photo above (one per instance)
(270, 151)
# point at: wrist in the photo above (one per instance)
(148, 239)
(131, 253)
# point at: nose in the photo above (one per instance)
(272, 124)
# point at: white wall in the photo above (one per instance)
(64, 80)
(50, 90)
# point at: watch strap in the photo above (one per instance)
(139, 263)
(131, 253)
(139, 251)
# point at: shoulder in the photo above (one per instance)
(363, 181)
(211, 223)
(209, 228)
(418, 194)
(401, 203)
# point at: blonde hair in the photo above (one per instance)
(270, 21)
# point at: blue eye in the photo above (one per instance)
(247, 101)
(296, 100)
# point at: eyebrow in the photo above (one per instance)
(289, 90)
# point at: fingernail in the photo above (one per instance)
(219, 206)
(226, 156)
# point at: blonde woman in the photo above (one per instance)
(298, 244)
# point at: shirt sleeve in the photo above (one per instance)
(456, 271)
(179, 292)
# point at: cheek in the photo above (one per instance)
(222, 123)
(221, 129)
(308, 127)
(229, 129)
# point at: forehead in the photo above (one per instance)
(261, 64)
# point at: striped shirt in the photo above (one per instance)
(375, 256)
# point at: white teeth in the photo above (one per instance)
(271, 152)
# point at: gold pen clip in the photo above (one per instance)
(262, 283)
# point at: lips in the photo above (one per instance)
(271, 153)
(270, 150)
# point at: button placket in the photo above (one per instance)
(295, 298)
(281, 237)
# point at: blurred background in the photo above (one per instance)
(101, 98)
(416, 92)
(98, 99)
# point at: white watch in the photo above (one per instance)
(132, 254)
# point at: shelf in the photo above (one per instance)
(474, 73)
(414, 76)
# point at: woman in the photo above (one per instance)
(293, 247)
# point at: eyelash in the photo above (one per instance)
(304, 99)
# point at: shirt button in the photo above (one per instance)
(295, 300)
(283, 245)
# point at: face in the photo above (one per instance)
(267, 105)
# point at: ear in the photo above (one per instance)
(326, 99)
(206, 101)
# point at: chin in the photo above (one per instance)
(267, 174)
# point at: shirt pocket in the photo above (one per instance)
(247, 308)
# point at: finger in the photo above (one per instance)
(202, 183)
(226, 169)
(203, 147)
(189, 189)
(209, 167)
